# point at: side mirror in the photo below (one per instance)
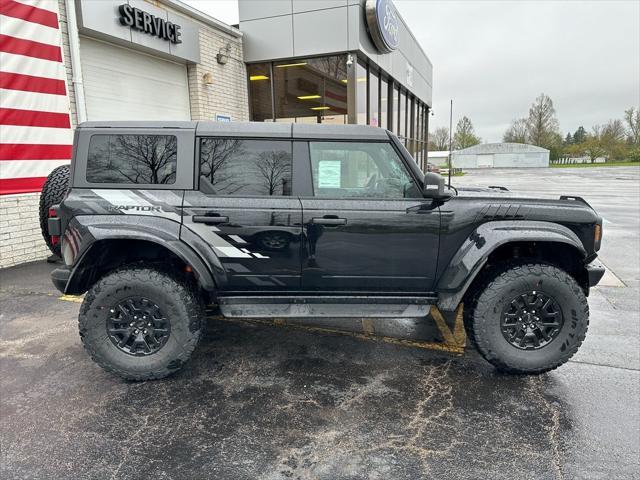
(434, 187)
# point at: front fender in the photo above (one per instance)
(84, 231)
(474, 252)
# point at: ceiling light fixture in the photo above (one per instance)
(320, 108)
(258, 77)
(309, 97)
(286, 65)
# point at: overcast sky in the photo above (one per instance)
(494, 57)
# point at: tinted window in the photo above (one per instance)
(245, 167)
(350, 169)
(139, 159)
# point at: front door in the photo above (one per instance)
(244, 211)
(366, 225)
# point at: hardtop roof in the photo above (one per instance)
(255, 129)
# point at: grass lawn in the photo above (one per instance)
(587, 165)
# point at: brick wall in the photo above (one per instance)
(228, 93)
(20, 237)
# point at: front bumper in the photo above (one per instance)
(60, 278)
(595, 272)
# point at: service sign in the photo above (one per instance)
(149, 24)
(384, 24)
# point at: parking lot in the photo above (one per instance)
(275, 402)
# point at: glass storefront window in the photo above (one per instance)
(374, 103)
(396, 103)
(260, 91)
(312, 90)
(315, 90)
(385, 102)
(402, 117)
(361, 93)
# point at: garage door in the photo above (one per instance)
(122, 84)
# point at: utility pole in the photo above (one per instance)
(450, 128)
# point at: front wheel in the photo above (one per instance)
(140, 323)
(529, 318)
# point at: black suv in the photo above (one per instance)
(280, 220)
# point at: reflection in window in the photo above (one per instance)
(245, 167)
(374, 104)
(402, 116)
(352, 169)
(260, 91)
(396, 102)
(361, 95)
(385, 103)
(136, 159)
(311, 90)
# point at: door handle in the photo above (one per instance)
(210, 219)
(334, 221)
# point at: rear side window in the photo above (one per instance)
(132, 159)
(245, 167)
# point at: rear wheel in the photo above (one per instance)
(140, 323)
(529, 318)
(53, 192)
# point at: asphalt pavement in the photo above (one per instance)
(265, 402)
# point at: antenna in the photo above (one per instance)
(450, 127)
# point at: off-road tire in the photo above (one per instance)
(498, 289)
(177, 300)
(53, 192)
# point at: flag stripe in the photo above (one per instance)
(33, 118)
(35, 67)
(35, 127)
(34, 101)
(28, 13)
(30, 48)
(9, 186)
(28, 168)
(13, 134)
(21, 151)
(48, 5)
(29, 31)
(29, 83)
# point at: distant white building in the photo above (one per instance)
(500, 155)
(438, 158)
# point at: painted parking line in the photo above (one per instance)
(72, 298)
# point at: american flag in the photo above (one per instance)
(35, 127)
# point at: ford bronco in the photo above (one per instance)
(277, 220)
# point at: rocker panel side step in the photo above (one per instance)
(325, 306)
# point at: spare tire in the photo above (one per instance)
(53, 192)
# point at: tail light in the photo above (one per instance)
(54, 225)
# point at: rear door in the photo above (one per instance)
(244, 211)
(367, 226)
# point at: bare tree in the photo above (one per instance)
(632, 117)
(149, 159)
(275, 168)
(465, 135)
(542, 124)
(517, 132)
(439, 139)
(215, 153)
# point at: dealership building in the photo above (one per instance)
(69, 61)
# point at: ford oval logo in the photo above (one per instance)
(383, 23)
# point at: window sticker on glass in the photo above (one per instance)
(329, 173)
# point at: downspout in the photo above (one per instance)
(76, 66)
